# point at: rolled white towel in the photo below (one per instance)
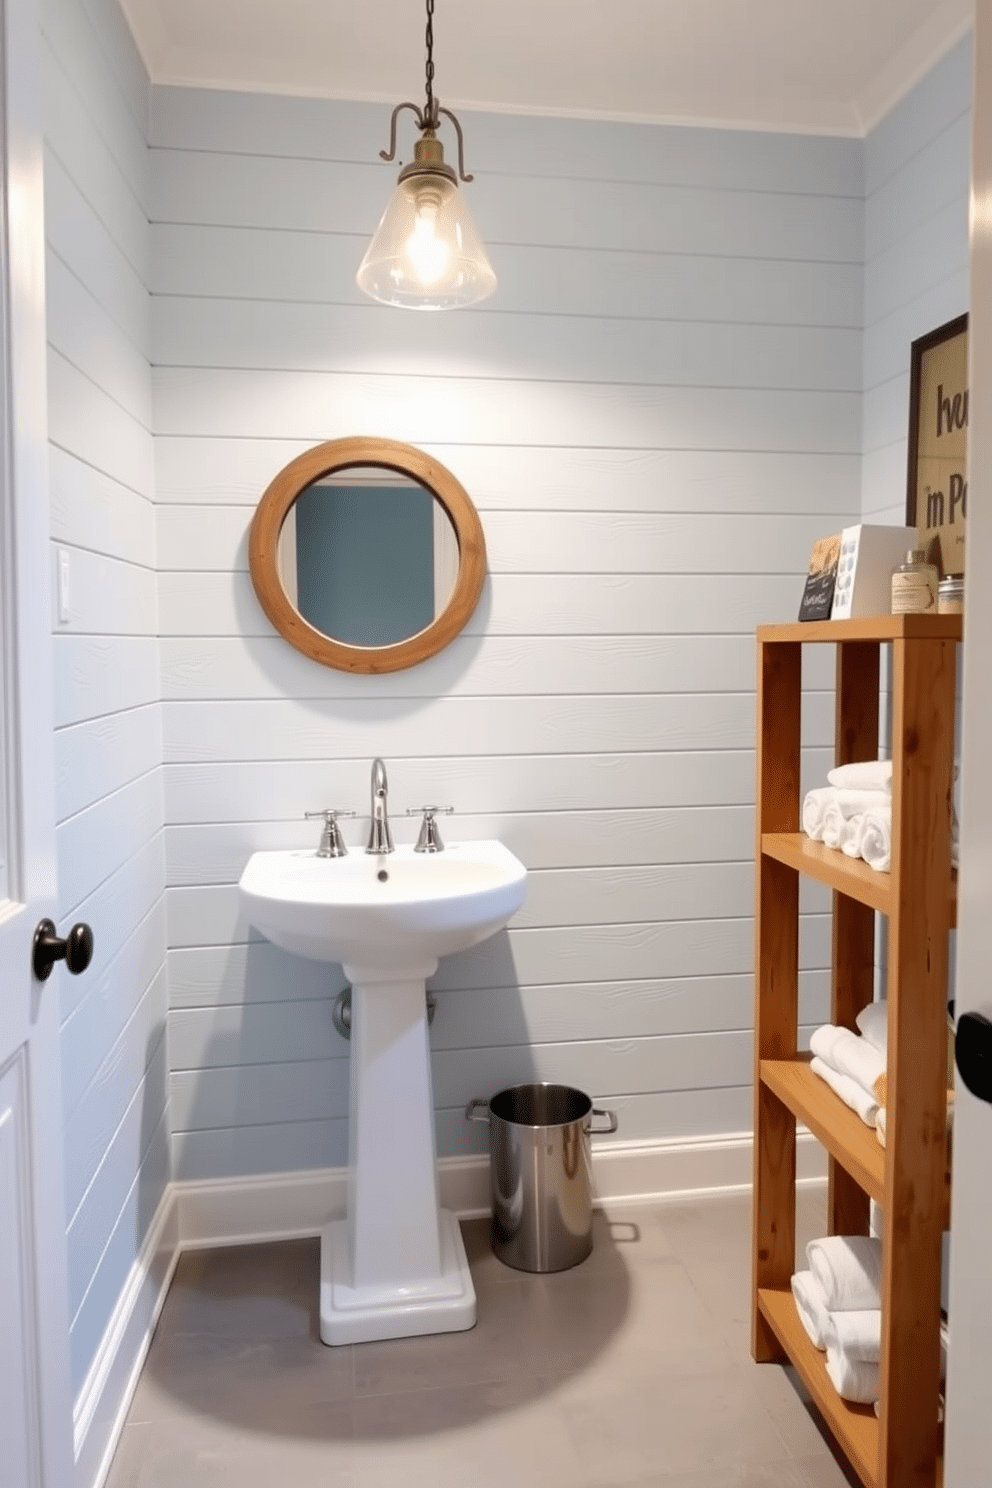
(815, 804)
(850, 1092)
(827, 808)
(849, 1054)
(854, 836)
(872, 775)
(853, 1379)
(876, 844)
(811, 1307)
(849, 1271)
(858, 1335)
(873, 1024)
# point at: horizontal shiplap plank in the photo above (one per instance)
(941, 168)
(557, 955)
(254, 1032)
(89, 1135)
(323, 729)
(213, 668)
(98, 674)
(314, 1090)
(294, 1146)
(273, 790)
(922, 114)
(536, 542)
(318, 1090)
(224, 974)
(121, 1251)
(318, 268)
(316, 196)
(888, 340)
(85, 421)
(73, 137)
(114, 910)
(576, 953)
(84, 334)
(668, 1006)
(92, 1222)
(195, 332)
(327, 129)
(103, 68)
(590, 604)
(95, 758)
(96, 842)
(100, 1018)
(319, 405)
(75, 232)
(217, 854)
(91, 510)
(910, 266)
(212, 915)
(223, 470)
(106, 596)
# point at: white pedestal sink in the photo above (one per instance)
(395, 1266)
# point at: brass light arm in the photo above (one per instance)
(425, 124)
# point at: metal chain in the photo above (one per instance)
(430, 114)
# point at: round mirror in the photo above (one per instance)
(367, 555)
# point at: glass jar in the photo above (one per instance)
(950, 598)
(914, 585)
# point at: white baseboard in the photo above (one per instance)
(102, 1403)
(230, 1211)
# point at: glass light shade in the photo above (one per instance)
(426, 253)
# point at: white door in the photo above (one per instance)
(968, 1448)
(35, 1408)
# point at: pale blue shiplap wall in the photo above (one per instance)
(917, 167)
(656, 415)
(108, 724)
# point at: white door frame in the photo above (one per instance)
(29, 1034)
(968, 1446)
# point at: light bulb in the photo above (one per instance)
(428, 254)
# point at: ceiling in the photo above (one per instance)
(830, 66)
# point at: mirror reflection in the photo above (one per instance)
(368, 557)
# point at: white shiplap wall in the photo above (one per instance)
(656, 415)
(917, 170)
(108, 742)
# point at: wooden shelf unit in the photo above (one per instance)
(901, 1447)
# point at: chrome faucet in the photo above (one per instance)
(380, 837)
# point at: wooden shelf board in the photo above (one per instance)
(875, 628)
(845, 1136)
(850, 876)
(855, 1426)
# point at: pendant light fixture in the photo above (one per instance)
(426, 253)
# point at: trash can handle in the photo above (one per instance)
(611, 1117)
(470, 1111)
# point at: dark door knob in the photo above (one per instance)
(76, 950)
(973, 1054)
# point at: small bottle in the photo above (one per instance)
(950, 598)
(914, 585)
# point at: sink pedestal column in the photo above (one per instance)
(396, 1265)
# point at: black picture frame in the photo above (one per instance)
(934, 511)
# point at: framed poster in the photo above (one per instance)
(937, 485)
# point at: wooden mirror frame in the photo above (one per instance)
(345, 454)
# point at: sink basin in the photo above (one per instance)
(395, 912)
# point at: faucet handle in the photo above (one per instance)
(331, 842)
(429, 840)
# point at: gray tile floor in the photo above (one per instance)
(631, 1368)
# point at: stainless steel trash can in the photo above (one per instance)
(540, 1173)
